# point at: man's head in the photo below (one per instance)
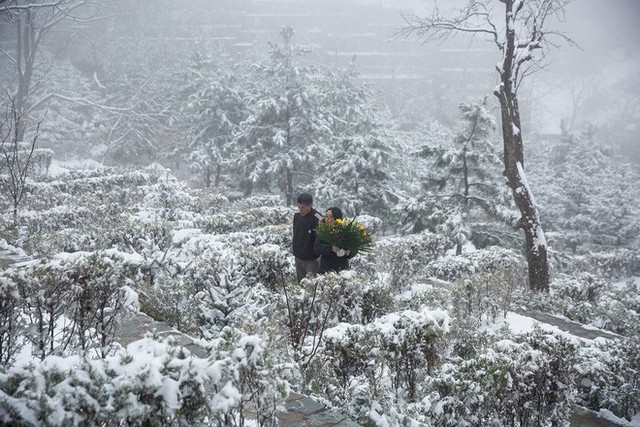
(305, 202)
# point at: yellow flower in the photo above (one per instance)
(339, 220)
(361, 227)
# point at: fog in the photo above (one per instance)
(592, 84)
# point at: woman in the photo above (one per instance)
(332, 258)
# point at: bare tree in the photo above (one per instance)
(15, 157)
(32, 20)
(523, 33)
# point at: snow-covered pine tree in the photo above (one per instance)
(213, 110)
(590, 197)
(464, 196)
(287, 124)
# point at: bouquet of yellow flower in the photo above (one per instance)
(345, 233)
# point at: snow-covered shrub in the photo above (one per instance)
(373, 224)
(382, 363)
(434, 294)
(402, 260)
(308, 307)
(39, 230)
(591, 300)
(47, 295)
(91, 187)
(619, 310)
(250, 218)
(265, 201)
(616, 264)
(525, 381)
(168, 198)
(609, 376)
(248, 381)
(222, 296)
(39, 160)
(481, 260)
(72, 302)
(151, 383)
(268, 265)
(98, 282)
(12, 325)
(145, 237)
(209, 201)
(170, 299)
(376, 301)
(413, 342)
(484, 296)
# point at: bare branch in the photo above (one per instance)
(439, 28)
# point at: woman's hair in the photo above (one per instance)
(336, 212)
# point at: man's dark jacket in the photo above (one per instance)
(304, 234)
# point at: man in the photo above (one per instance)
(304, 236)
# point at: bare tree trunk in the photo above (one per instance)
(536, 250)
(289, 188)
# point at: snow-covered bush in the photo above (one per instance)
(483, 297)
(152, 383)
(481, 260)
(248, 380)
(616, 264)
(382, 364)
(145, 237)
(619, 310)
(12, 324)
(266, 201)
(91, 187)
(222, 296)
(309, 307)
(609, 376)
(209, 201)
(269, 265)
(167, 198)
(400, 261)
(523, 381)
(253, 217)
(39, 160)
(591, 300)
(171, 299)
(72, 303)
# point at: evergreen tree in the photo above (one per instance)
(590, 197)
(211, 116)
(356, 171)
(287, 124)
(463, 194)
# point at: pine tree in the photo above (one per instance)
(590, 197)
(463, 193)
(212, 113)
(287, 125)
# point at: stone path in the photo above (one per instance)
(8, 258)
(574, 328)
